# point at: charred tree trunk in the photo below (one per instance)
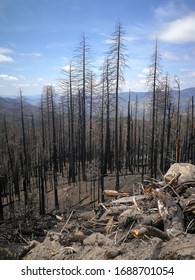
(72, 148)
(107, 155)
(163, 131)
(1, 207)
(192, 141)
(55, 162)
(135, 163)
(177, 142)
(102, 150)
(128, 166)
(25, 166)
(167, 159)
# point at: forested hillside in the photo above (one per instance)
(78, 135)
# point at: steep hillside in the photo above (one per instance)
(11, 107)
(186, 95)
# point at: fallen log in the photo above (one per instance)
(95, 224)
(110, 225)
(33, 232)
(153, 219)
(116, 210)
(170, 212)
(130, 199)
(130, 216)
(190, 207)
(26, 249)
(172, 181)
(150, 231)
(112, 193)
(68, 239)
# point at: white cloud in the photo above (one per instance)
(171, 56)
(66, 67)
(6, 77)
(36, 54)
(57, 45)
(22, 77)
(138, 85)
(179, 31)
(108, 41)
(33, 54)
(40, 79)
(5, 50)
(132, 38)
(169, 11)
(144, 73)
(3, 55)
(22, 85)
(5, 58)
(146, 70)
(191, 74)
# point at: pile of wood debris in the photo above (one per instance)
(160, 209)
(156, 222)
(157, 209)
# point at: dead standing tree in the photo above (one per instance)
(67, 85)
(118, 59)
(177, 142)
(50, 95)
(55, 160)
(153, 81)
(107, 81)
(26, 180)
(82, 65)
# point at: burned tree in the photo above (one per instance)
(82, 62)
(50, 95)
(25, 163)
(153, 82)
(118, 59)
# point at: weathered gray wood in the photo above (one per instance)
(129, 199)
(170, 212)
(150, 231)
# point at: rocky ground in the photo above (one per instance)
(126, 226)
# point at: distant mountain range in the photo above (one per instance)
(185, 95)
(11, 106)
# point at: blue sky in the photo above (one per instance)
(38, 39)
